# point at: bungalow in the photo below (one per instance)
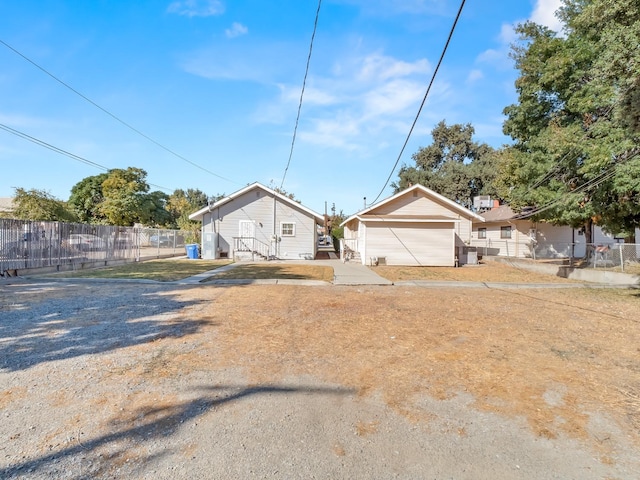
(416, 226)
(504, 233)
(257, 222)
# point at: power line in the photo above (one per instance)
(433, 77)
(588, 185)
(304, 82)
(114, 116)
(53, 148)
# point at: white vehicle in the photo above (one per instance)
(86, 242)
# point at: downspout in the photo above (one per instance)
(217, 232)
(275, 234)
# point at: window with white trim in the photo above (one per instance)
(482, 233)
(505, 232)
(288, 229)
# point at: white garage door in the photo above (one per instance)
(425, 244)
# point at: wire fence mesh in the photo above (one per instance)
(622, 257)
(36, 244)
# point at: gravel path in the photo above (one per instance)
(92, 385)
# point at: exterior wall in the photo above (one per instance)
(519, 245)
(427, 241)
(413, 206)
(551, 241)
(417, 244)
(257, 206)
(463, 231)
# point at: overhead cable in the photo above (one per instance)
(433, 77)
(114, 116)
(53, 148)
(588, 185)
(304, 82)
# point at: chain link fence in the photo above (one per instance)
(29, 244)
(621, 257)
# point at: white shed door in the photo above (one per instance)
(425, 244)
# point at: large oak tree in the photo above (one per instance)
(576, 130)
(454, 165)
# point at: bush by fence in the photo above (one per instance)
(30, 244)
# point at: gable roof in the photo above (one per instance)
(200, 213)
(429, 193)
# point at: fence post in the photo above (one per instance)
(620, 245)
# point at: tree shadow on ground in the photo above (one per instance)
(148, 425)
(80, 320)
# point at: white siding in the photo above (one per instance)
(420, 244)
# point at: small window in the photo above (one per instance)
(505, 232)
(288, 229)
(482, 233)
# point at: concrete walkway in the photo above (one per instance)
(351, 273)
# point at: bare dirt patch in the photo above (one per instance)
(146, 383)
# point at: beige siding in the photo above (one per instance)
(424, 244)
(410, 205)
(463, 232)
(519, 245)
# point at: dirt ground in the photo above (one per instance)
(98, 381)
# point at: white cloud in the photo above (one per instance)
(380, 67)
(544, 14)
(498, 57)
(236, 30)
(392, 97)
(312, 95)
(474, 76)
(508, 34)
(373, 94)
(196, 8)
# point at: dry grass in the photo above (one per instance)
(549, 356)
(159, 270)
(484, 272)
(256, 271)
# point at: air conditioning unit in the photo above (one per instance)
(482, 202)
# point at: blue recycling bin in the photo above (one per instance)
(192, 250)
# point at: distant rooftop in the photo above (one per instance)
(6, 204)
(501, 213)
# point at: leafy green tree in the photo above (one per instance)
(454, 165)
(40, 205)
(154, 210)
(576, 157)
(182, 203)
(86, 197)
(124, 193)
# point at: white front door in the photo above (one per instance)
(247, 232)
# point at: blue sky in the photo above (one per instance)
(218, 82)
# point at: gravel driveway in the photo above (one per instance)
(131, 380)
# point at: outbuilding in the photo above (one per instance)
(416, 226)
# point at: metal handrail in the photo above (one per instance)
(251, 244)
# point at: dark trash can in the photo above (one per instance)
(192, 250)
